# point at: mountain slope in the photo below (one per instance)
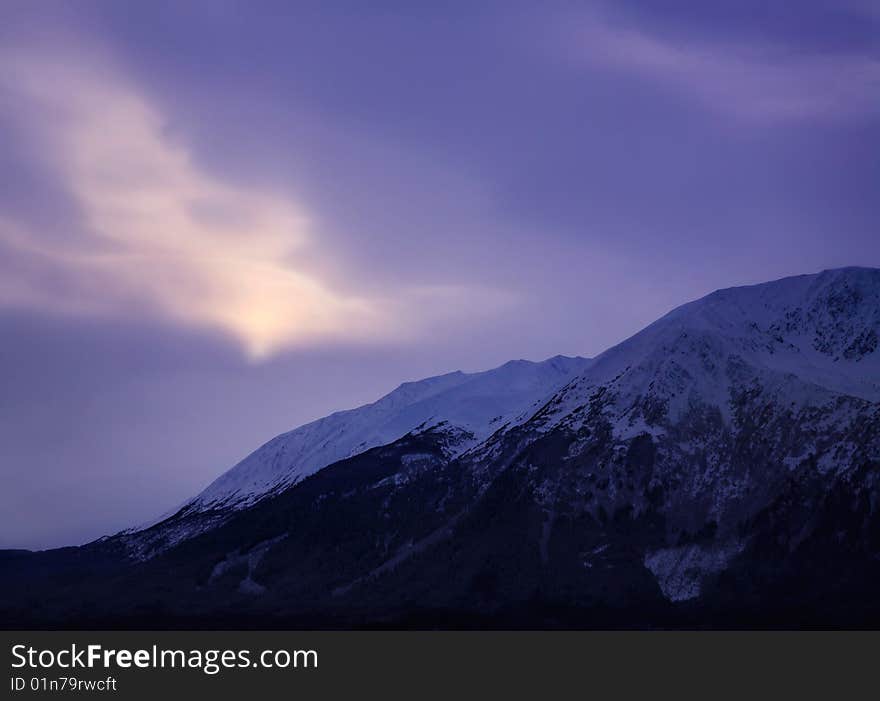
(821, 328)
(463, 408)
(471, 407)
(705, 414)
(721, 468)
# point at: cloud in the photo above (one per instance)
(757, 83)
(164, 236)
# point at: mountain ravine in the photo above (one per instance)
(721, 468)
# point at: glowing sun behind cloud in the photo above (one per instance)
(162, 232)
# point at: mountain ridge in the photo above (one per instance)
(422, 390)
(276, 466)
(404, 409)
(722, 464)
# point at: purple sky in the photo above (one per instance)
(219, 220)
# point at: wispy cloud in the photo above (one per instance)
(163, 235)
(762, 83)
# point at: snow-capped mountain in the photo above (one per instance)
(823, 329)
(723, 399)
(719, 468)
(466, 407)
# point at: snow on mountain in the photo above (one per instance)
(769, 377)
(723, 399)
(470, 407)
(724, 460)
(822, 329)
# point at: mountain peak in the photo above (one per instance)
(468, 406)
(727, 455)
(823, 328)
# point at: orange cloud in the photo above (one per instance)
(164, 232)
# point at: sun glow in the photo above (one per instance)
(162, 232)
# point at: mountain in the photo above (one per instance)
(706, 415)
(465, 407)
(462, 408)
(721, 468)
